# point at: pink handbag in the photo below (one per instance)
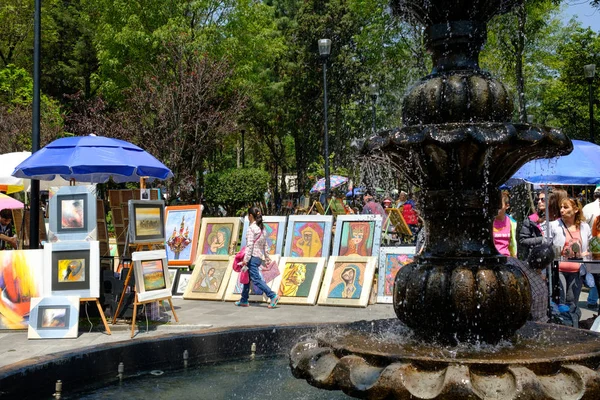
(244, 277)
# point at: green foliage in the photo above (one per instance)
(236, 188)
(16, 86)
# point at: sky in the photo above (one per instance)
(586, 14)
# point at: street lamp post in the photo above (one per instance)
(374, 91)
(34, 192)
(589, 71)
(324, 50)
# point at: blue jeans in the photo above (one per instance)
(255, 277)
(593, 294)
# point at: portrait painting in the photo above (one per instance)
(209, 278)
(55, 317)
(152, 278)
(391, 259)
(182, 279)
(308, 236)
(275, 228)
(182, 230)
(300, 279)
(72, 214)
(357, 235)
(271, 274)
(21, 273)
(146, 221)
(348, 281)
(219, 236)
(72, 269)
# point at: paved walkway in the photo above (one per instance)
(195, 315)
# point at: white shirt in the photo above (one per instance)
(591, 211)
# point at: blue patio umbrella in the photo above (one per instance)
(92, 159)
(581, 167)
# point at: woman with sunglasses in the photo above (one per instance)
(533, 228)
(571, 234)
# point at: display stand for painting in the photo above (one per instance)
(318, 207)
(137, 303)
(95, 299)
(396, 220)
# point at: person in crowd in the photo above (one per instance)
(387, 202)
(571, 234)
(256, 254)
(554, 202)
(409, 213)
(538, 259)
(592, 210)
(505, 230)
(7, 239)
(373, 207)
(531, 233)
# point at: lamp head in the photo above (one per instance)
(324, 47)
(589, 71)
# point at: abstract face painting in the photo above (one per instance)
(71, 270)
(297, 279)
(211, 276)
(218, 239)
(307, 240)
(393, 263)
(357, 238)
(347, 282)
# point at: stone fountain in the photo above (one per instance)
(465, 306)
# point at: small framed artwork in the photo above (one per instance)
(275, 227)
(271, 275)
(172, 275)
(55, 317)
(182, 230)
(72, 214)
(209, 278)
(300, 279)
(308, 236)
(146, 221)
(182, 279)
(391, 259)
(152, 279)
(357, 235)
(219, 236)
(348, 281)
(72, 269)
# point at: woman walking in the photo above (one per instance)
(571, 234)
(256, 254)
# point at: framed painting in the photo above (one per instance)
(271, 277)
(300, 279)
(308, 236)
(348, 281)
(172, 275)
(72, 269)
(398, 222)
(182, 230)
(55, 317)
(275, 227)
(209, 278)
(22, 273)
(357, 235)
(72, 214)
(151, 275)
(391, 259)
(146, 221)
(182, 279)
(219, 236)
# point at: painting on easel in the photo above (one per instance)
(152, 279)
(146, 221)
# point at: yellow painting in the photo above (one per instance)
(71, 270)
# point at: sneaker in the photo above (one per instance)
(242, 303)
(274, 302)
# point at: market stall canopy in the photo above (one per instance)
(8, 162)
(334, 181)
(93, 159)
(9, 202)
(581, 167)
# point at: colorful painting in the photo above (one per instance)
(209, 278)
(152, 279)
(308, 236)
(301, 279)
(272, 277)
(182, 229)
(21, 273)
(275, 227)
(154, 275)
(72, 269)
(219, 236)
(55, 317)
(357, 235)
(391, 259)
(146, 221)
(72, 212)
(348, 281)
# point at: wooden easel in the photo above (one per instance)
(136, 303)
(94, 299)
(318, 206)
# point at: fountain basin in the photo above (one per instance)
(541, 361)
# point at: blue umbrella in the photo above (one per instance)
(581, 167)
(91, 159)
